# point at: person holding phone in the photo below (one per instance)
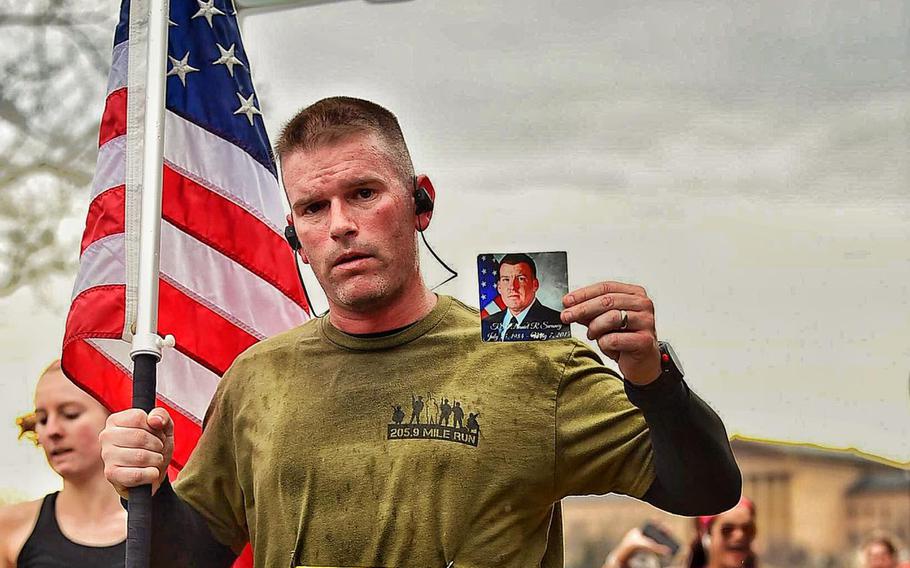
(721, 541)
(643, 548)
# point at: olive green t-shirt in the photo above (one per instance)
(419, 449)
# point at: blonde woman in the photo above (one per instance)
(83, 525)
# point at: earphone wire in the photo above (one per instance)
(453, 273)
(306, 294)
(418, 193)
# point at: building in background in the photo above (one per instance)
(815, 507)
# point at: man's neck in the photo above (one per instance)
(398, 313)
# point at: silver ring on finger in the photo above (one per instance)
(623, 320)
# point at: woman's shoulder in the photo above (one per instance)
(16, 524)
(12, 516)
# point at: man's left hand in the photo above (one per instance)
(600, 308)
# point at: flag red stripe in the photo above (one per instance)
(108, 383)
(113, 120)
(105, 216)
(96, 312)
(202, 334)
(229, 229)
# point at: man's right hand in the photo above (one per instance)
(136, 448)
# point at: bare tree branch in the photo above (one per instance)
(54, 55)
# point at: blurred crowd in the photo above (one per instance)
(724, 541)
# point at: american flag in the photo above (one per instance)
(227, 276)
(490, 300)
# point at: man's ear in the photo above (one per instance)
(536, 285)
(422, 221)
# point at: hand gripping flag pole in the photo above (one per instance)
(147, 345)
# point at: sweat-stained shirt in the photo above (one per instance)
(419, 449)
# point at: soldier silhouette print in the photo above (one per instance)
(444, 412)
(458, 413)
(397, 414)
(434, 418)
(416, 409)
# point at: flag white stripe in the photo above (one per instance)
(101, 264)
(225, 286)
(182, 382)
(110, 170)
(225, 169)
(116, 79)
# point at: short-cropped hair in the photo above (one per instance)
(333, 119)
(517, 258)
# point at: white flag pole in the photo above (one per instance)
(145, 338)
(147, 345)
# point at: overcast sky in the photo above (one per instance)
(746, 162)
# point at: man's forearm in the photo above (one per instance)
(696, 471)
(181, 537)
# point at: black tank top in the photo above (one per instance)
(46, 547)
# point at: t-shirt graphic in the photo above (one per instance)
(434, 425)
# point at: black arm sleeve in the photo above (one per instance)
(696, 473)
(181, 536)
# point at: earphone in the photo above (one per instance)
(290, 235)
(423, 203)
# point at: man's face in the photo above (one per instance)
(517, 286)
(354, 219)
(877, 555)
